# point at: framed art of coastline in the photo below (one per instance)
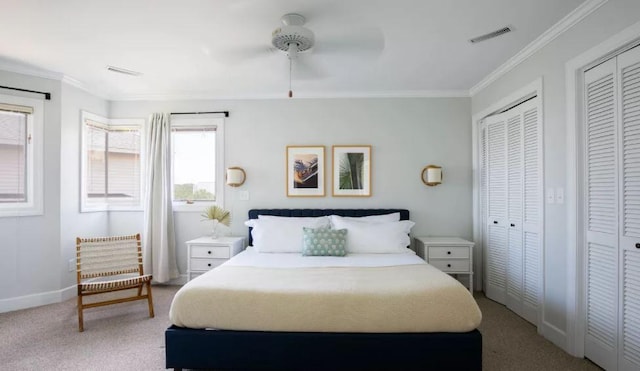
(352, 171)
(305, 171)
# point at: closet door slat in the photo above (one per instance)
(601, 206)
(629, 262)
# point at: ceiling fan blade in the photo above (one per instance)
(304, 68)
(240, 54)
(367, 41)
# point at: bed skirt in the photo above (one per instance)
(255, 350)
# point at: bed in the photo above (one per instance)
(269, 342)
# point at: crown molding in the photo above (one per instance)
(298, 95)
(24, 69)
(82, 86)
(540, 42)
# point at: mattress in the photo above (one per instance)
(365, 293)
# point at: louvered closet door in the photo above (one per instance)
(601, 215)
(532, 210)
(514, 210)
(483, 189)
(496, 227)
(524, 182)
(512, 149)
(629, 325)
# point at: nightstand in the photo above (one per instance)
(451, 255)
(206, 253)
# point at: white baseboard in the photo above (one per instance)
(36, 300)
(69, 292)
(57, 296)
(554, 335)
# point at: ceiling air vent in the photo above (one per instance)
(490, 35)
(123, 71)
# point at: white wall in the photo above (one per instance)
(29, 245)
(73, 223)
(406, 135)
(35, 250)
(549, 63)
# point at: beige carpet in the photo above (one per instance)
(123, 337)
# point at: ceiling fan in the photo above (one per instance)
(294, 40)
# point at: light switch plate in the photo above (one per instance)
(560, 195)
(551, 196)
(243, 195)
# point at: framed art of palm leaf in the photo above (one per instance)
(352, 171)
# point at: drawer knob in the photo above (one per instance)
(209, 252)
(208, 264)
(448, 265)
(638, 246)
(448, 252)
(513, 225)
(495, 222)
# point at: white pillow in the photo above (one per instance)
(389, 237)
(393, 217)
(282, 234)
(320, 219)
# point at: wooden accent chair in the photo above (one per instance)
(107, 264)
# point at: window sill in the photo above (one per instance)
(94, 209)
(196, 207)
(17, 212)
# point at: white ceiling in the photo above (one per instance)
(217, 48)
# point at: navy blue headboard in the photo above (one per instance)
(253, 213)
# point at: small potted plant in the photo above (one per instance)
(217, 215)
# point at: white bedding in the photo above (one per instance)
(250, 257)
(356, 293)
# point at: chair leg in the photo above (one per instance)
(150, 300)
(80, 318)
(140, 290)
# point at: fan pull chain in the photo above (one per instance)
(290, 91)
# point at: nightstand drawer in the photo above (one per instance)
(452, 255)
(448, 252)
(205, 264)
(221, 252)
(451, 265)
(205, 253)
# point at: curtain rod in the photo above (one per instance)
(226, 113)
(47, 96)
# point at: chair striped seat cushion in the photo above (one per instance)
(132, 282)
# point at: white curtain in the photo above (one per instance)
(158, 238)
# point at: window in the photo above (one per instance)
(21, 159)
(112, 164)
(197, 164)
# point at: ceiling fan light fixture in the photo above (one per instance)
(292, 38)
(292, 32)
(285, 35)
(292, 51)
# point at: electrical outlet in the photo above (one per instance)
(72, 265)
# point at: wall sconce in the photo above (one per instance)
(235, 176)
(432, 175)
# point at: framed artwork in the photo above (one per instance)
(305, 171)
(352, 171)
